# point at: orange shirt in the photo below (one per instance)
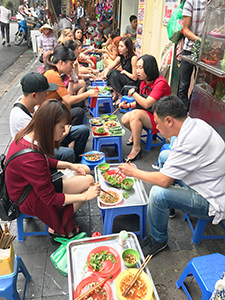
(54, 77)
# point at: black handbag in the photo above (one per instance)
(126, 89)
(143, 94)
(9, 210)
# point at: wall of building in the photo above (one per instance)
(128, 7)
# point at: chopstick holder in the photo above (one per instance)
(93, 288)
(134, 279)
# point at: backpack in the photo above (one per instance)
(8, 209)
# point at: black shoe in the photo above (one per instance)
(172, 214)
(3, 43)
(153, 247)
(145, 241)
(133, 159)
(129, 143)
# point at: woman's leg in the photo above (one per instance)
(138, 119)
(77, 185)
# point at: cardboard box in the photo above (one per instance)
(7, 258)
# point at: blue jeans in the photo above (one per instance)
(79, 134)
(179, 197)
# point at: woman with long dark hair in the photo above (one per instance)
(152, 88)
(53, 204)
(127, 59)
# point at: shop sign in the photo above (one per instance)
(169, 7)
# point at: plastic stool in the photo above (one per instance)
(129, 100)
(167, 146)
(206, 270)
(92, 164)
(110, 214)
(98, 83)
(198, 231)
(102, 101)
(109, 141)
(8, 282)
(20, 232)
(148, 143)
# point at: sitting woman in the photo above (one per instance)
(53, 203)
(111, 52)
(61, 62)
(152, 88)
(127, 59)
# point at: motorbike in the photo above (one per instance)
(25, 24)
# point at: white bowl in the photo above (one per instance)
(112, 190)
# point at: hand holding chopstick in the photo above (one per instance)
(91, 184)
(134, 279)
(93, 288)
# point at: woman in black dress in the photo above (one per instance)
(127, 59)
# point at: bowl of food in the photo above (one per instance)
(114, 178)
(96, 121)
(99, 130)
(141, 290)
(112, 197)
(127, 183)
(104, 167)
(93, 156)
(105, 117)
(113, 117)
(130, 257)
(111, 124)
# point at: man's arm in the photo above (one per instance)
(156, 178)
(186, 29)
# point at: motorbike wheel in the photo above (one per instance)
(19, 36)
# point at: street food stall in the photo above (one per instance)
(208, 97)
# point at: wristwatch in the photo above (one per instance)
(133, 91)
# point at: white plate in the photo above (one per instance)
(112, 190)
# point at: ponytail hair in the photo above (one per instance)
(61, 52)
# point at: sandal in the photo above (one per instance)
(70, 235)
(129, 143)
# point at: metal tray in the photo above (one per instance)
(77, 252)
(137, 196)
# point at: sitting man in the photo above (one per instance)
(196, 160)
(35, 87)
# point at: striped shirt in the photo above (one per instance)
(47, 43)
(198, 158)
(196, 9)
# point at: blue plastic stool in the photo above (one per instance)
(8, 282)
(92, 164)
(109, 141)
(20, 231)
(149, 137)
(206, 270)
(129, 100)
(98, 82)
(198, 231)
(105, 102)
(110, 214)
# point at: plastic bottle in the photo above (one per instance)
(123, 236)
(94, 99)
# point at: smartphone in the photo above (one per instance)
(57, 175)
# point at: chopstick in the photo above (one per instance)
(134, 279)
(117, 109)
(93, 288)
(104, 191)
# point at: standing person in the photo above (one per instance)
(152, 88)
(127, 59)
(64, 22)
(194, 13)
(5, 16)
(53, 204)
(80, 12)
(131, 30)
(196, 164)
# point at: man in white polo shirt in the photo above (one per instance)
(196, 161)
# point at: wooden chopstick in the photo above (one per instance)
(104, 191)
(93, 288)
(134, 279)
(117, 109)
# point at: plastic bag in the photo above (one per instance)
(175, 24)
(59, 257)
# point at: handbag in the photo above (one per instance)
(9, 210)
(144, 95)
(126, 89)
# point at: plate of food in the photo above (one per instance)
(141, 290)
(99, 130)
(103, 292)
(103, 261)
(115, 198)
(93, 156)
(114, 178)
(110, 124)
(96, 121)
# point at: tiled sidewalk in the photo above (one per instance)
(166, 267)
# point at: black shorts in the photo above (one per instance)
(57, 180)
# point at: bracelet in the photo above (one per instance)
(71, 81)
(132, 93)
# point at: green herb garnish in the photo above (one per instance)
(126, 195)
(96, 260)
(113, 180)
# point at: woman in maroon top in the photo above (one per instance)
(54, 208)
(152, 88)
